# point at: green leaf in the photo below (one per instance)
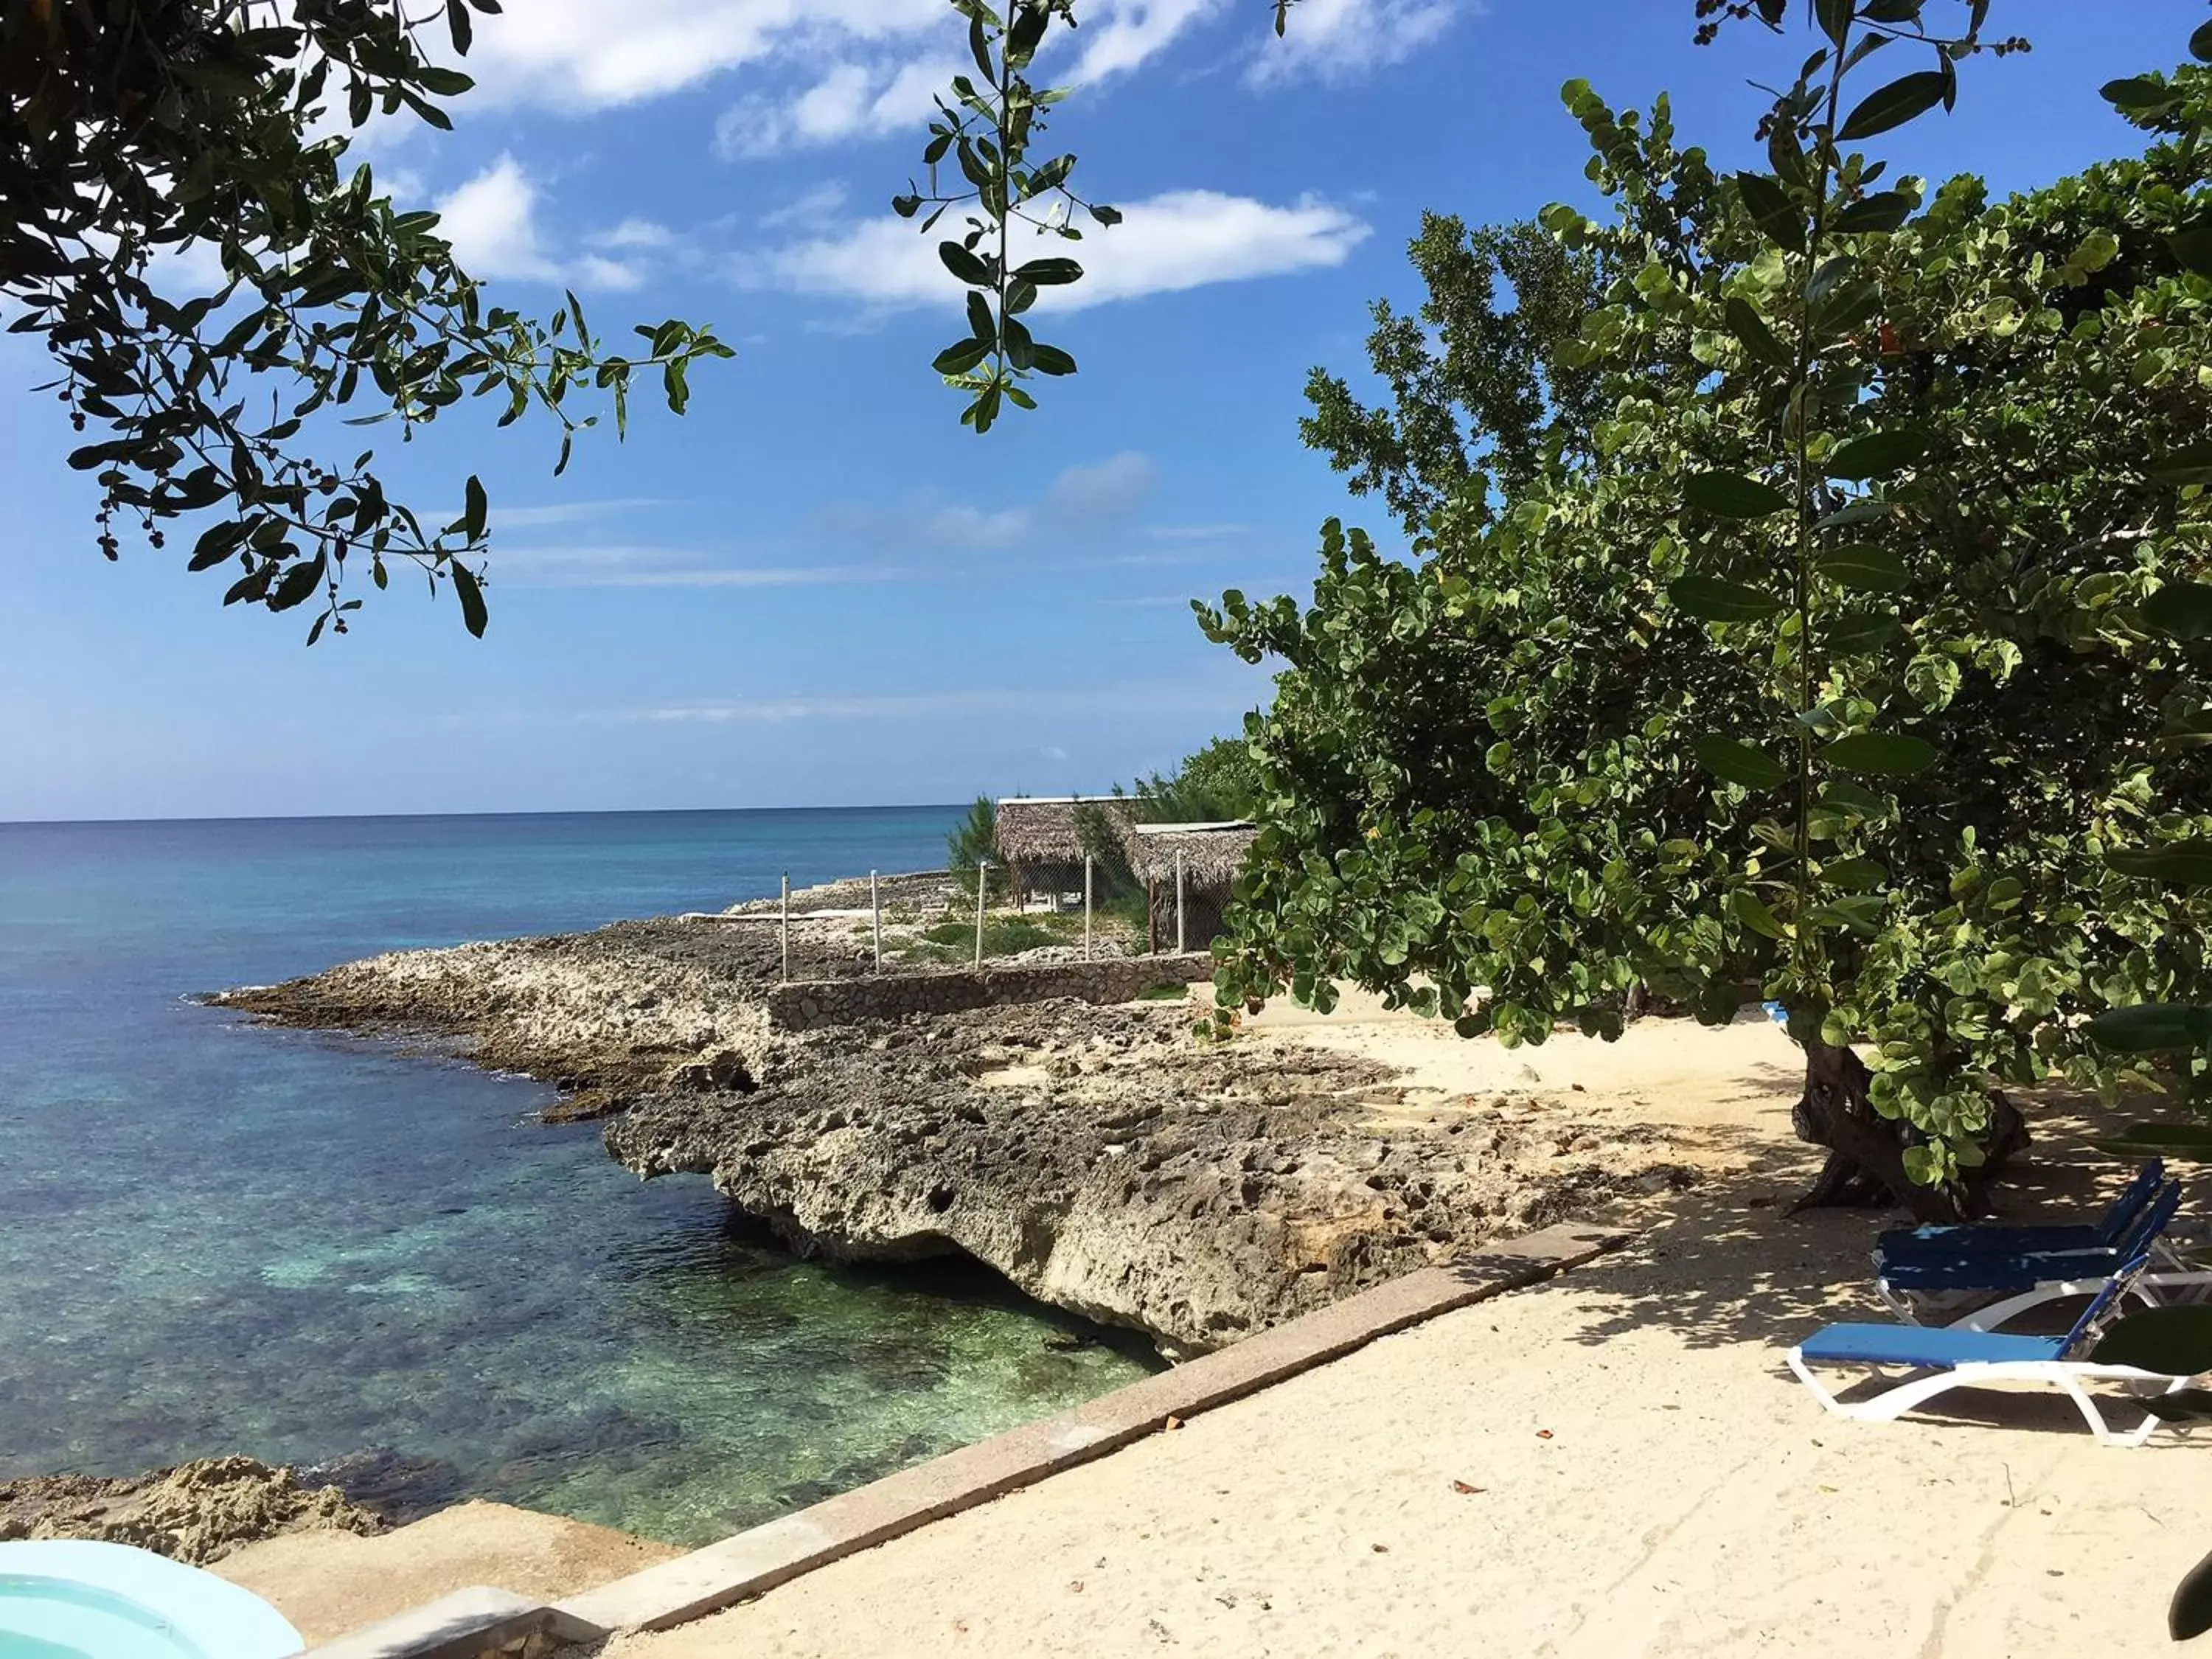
(1860, 913)
(2193, 248)
(2192, 465)
(1738, 762)
(1864, 569)
(1771, 207)
(474, 508)
(1715, 600)
(2181, 610)
(2200, 44)
(2175, 1341)
(2181, 863)
(2150, 1028)
(2139, 94)
(1046, 273)
(1728, 496)
(1754, 913)
(1051, 360)
(1746, 323)
(218, 543)
(961, 355)
(1892, 106)
(1834, 17)
(444, 82)
(298, 584)
(1877, 454)
(1865, 510)
(1883, 210)
(2192, 1141)
(1881, 754)
(2190, 1614)
(1857, 875)
(2182, 1405)
(965, 265)
(1844, 796)
(470, 595)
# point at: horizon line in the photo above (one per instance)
(527, 812)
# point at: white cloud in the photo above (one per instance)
(1183, 239)
(812, 208)
(568, 55)
(1090, 499)
(587, 54)
(492, 222)
(635, 232)
(1123, 37)
(1343, 39)
(851, 100)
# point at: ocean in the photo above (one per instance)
(217, 1237)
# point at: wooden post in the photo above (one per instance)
(983, 882)
(876, 905)
(1087, 907)
(786, 925)
(1179, 945)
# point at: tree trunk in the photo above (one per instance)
(1866, 1151)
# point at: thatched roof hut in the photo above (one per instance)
(1210, 856)
(1212, 853)
(1041, 837)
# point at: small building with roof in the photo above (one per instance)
(1187, 868)
(1041, 837)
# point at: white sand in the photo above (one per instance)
(1647, 1478)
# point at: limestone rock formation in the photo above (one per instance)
(194, 1512)
(1102, 1159)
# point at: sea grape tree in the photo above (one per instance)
(132, 135)
(1836, 671)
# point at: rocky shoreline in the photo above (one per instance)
(194, 1512)
(1102, 1159)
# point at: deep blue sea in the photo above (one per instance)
(217, 1237)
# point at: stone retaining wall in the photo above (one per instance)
(805, 1005)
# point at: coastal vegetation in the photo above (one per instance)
(132, 137)
(1817, 615)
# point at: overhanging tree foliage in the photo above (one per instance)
(1838, 670)
(1478, 376)
(131, 133)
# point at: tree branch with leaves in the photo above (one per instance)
(132, 136)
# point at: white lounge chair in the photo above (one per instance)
(1963, 1356)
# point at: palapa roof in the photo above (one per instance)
(1043, 829)
(1212, 853)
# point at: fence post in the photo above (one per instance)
(786, 925)
(1087, 907)
(876, 905)
(1179, 946)
(983, 881)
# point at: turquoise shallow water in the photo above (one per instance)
(217, 1237)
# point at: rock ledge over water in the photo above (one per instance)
(1100, 1158)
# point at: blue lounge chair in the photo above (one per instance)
(2018, 1241)
(1913, 1283)
(1961, 1356)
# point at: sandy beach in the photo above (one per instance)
(1616, 1463)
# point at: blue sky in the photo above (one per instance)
(817, 587)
